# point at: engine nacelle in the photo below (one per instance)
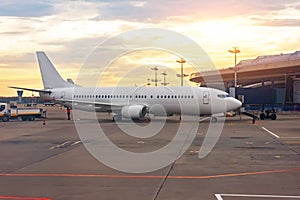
(134, 111)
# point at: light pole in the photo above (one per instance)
(181, 75)
(164, 83)
(155, 80)
(148, 83)
(235, 51)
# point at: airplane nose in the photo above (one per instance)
(238, 103)
(233, 104)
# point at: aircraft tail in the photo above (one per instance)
(51, 78)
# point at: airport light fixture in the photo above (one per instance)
(155, 69)
(181, 75)
(235, 51)
(148, 83)
(164, 83)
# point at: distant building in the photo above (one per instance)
(281, 71)
(20, 93)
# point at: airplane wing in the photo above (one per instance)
(90, 103)
(30, 89)
(102, 106)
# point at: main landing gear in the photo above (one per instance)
(117, 118)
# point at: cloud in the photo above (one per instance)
(28, 8)
(153, 10)
(278, 22)
(73, 51)
(160, 10)
(16, 60)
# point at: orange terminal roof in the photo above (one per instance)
(260, 69)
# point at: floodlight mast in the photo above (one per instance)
(235, 51)
(165, 81)
(155, 69)
(181, 75)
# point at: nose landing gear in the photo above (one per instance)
(214, 120)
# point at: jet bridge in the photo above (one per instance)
(263, 97)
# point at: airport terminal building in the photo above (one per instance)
(280, 72)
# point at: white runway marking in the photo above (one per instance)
(74, 143)
(64, 144)
(219, 196)
(205, 118)
(60, 145)
(270, 132)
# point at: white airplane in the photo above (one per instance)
(132, 102)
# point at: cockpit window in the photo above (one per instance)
(223, 96)
(2, 107)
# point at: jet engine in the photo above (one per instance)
(134, 111)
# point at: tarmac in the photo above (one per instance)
(249, 162)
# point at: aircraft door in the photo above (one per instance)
(62, 95)
(205, 97)
(133, 98)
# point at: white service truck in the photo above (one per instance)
(20, 113)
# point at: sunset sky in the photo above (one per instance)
(68, 30)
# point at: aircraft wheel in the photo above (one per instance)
(214, 119)
(117, 118)
(5, 118)
(273, 116)
(148, 119)
(262, 116)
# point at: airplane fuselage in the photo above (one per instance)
(158, 100)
